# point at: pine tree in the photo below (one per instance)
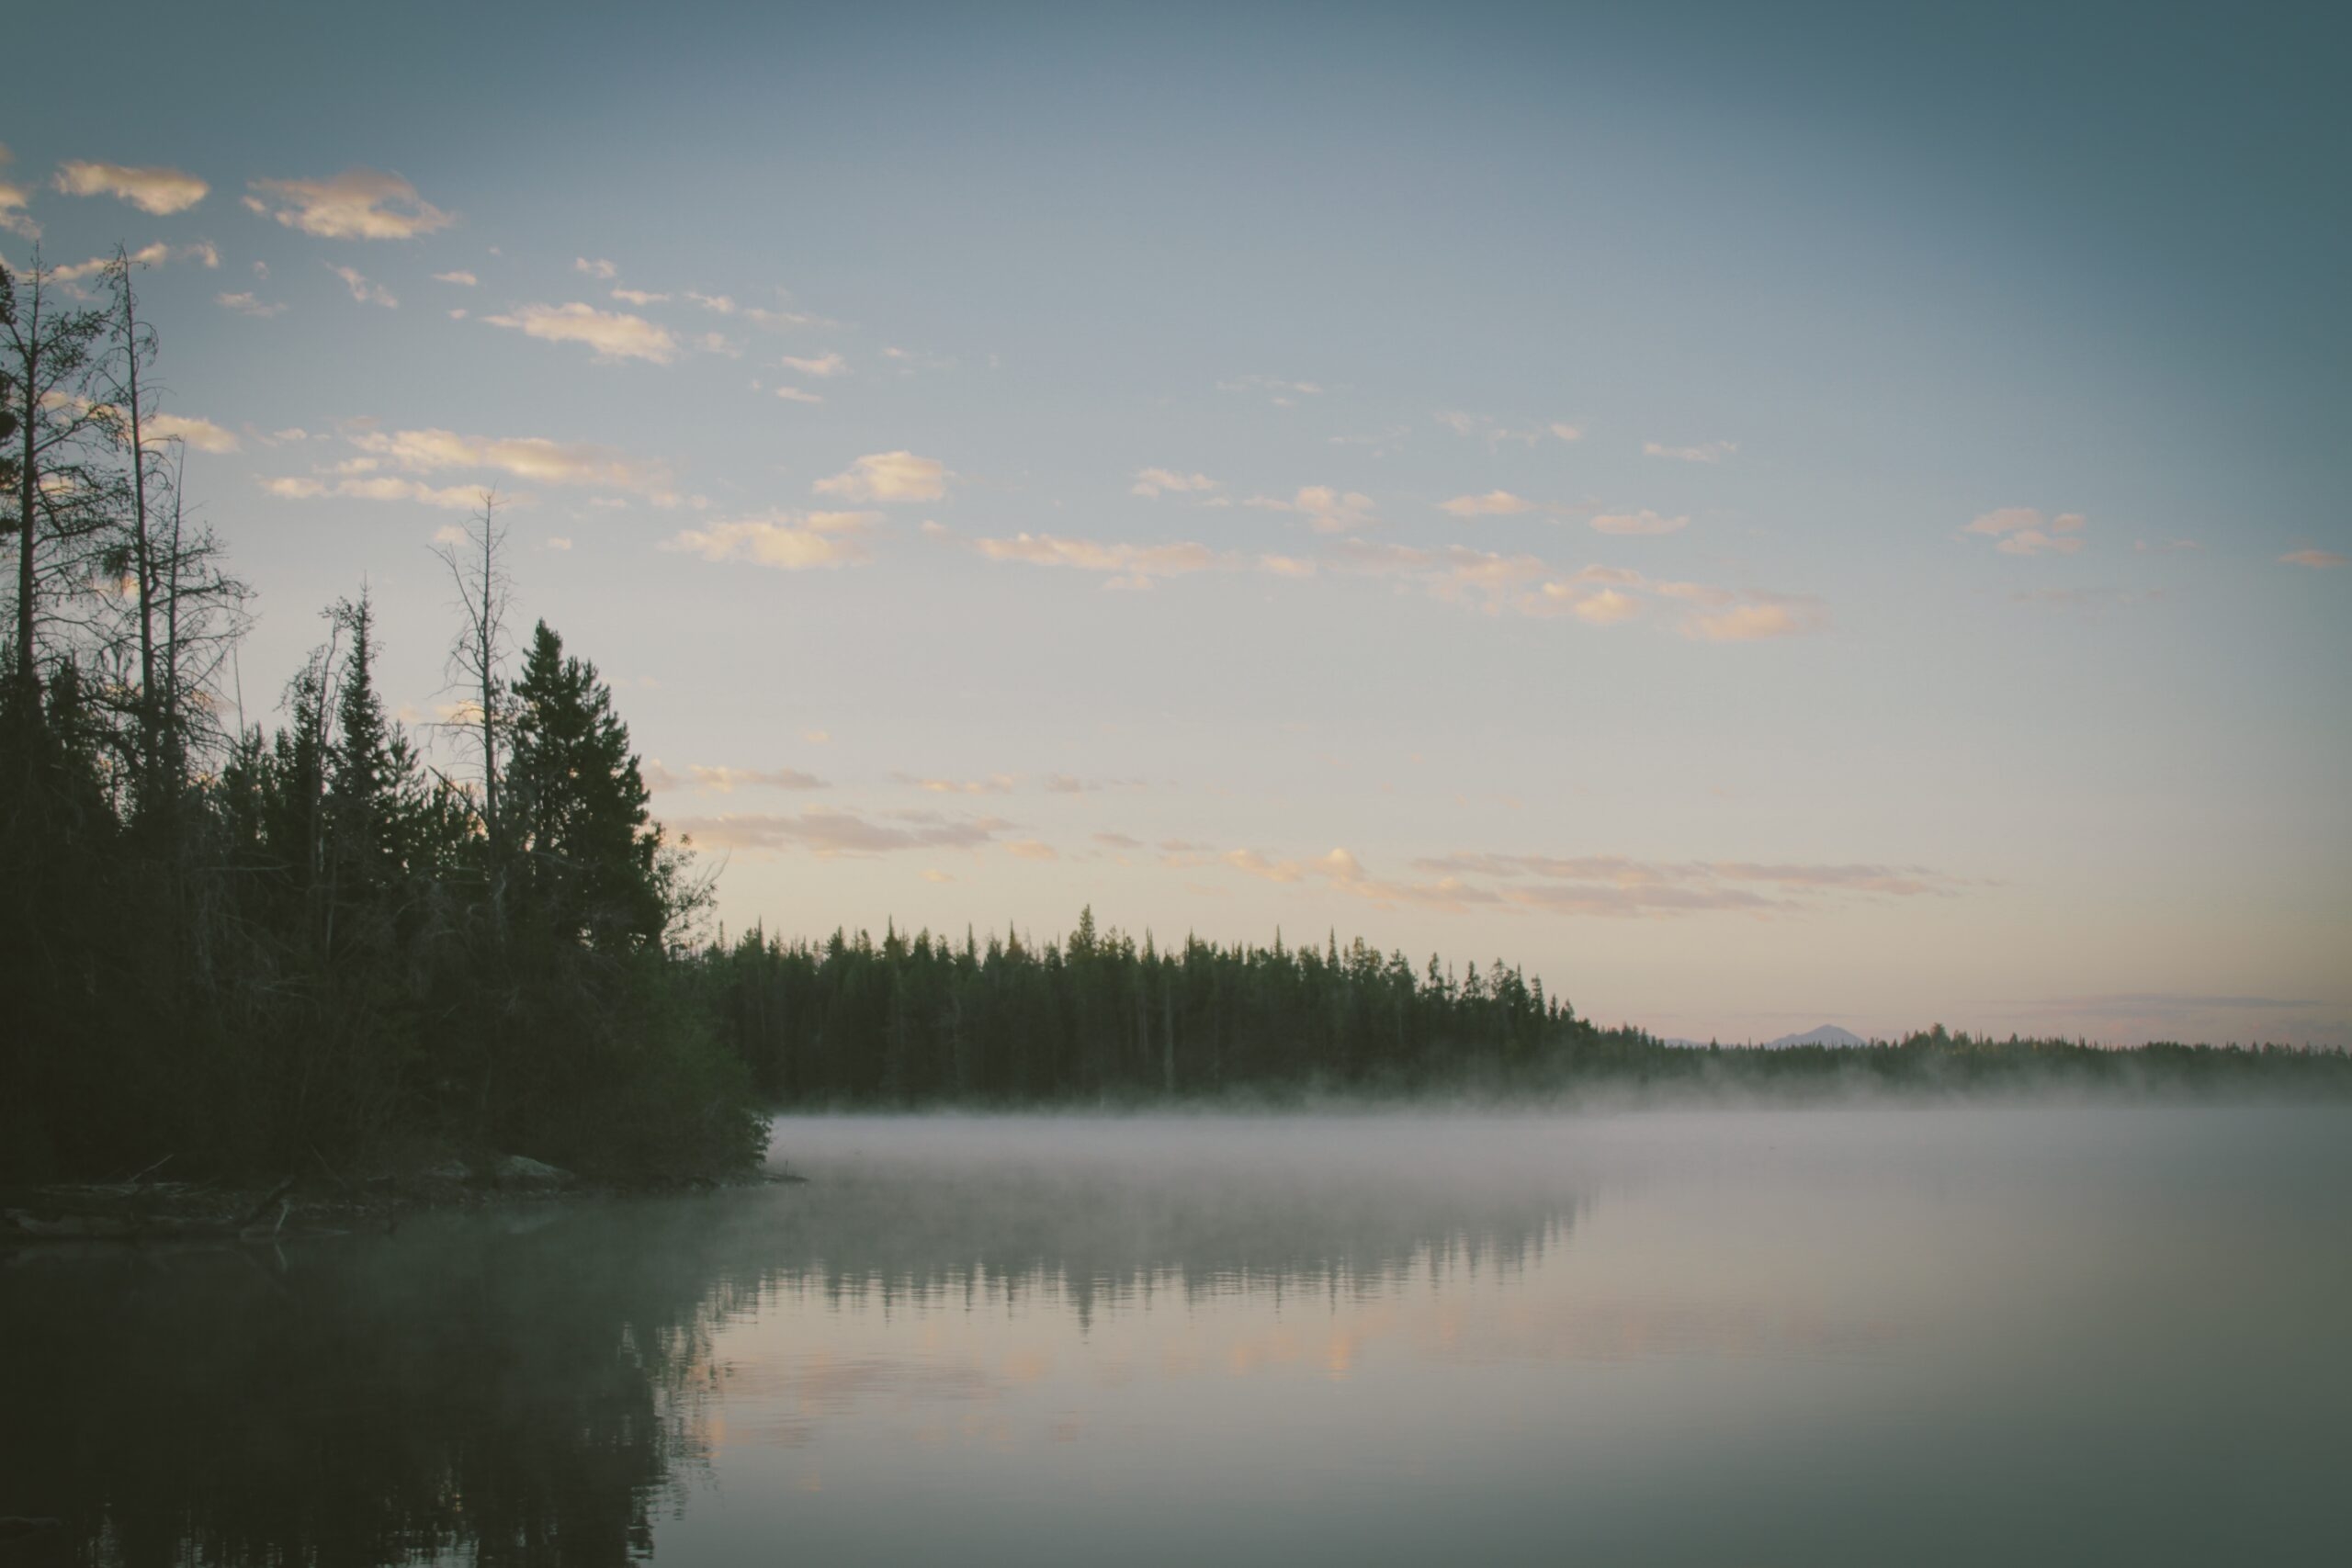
(577, 802)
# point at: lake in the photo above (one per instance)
(1966, 1334)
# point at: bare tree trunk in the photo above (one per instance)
(175, 760)
(143, 550)
(489, 689)
(28, 493)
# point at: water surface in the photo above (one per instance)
(1853, 1335)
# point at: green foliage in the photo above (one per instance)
(326, 963)
(1098, 1018)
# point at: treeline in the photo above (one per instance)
(1099, 1017)
(304, 950)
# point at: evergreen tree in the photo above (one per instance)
(591, 857)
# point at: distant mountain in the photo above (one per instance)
(1827, 1035)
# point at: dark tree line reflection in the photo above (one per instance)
(526, 1386)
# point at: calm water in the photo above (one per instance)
(1869, 1336)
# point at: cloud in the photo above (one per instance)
(887, 477)
(1641, 523)
(461, 278)
(611, 335)
(2319, 560)
(638, 296)
(1762, 617)
(13, 200)
(1070, 784)
(826, 364)
(246, 304)
(1705, 452)
(798, 395)
(558, 542)
(531, 458)
(2020, 531)
(156, 190)
(1032, 849)
(1286, 565)
(603, 271)
(154, 254)
(1168, 482)
(1340, 871)
(1494, 504)
(1135, 565)
(363, 291)
(1484, 426)
(720, 342)
(827, 832)
(1326, 509)
(994, 783)
(358, 204)
(1617, 887)
(200, 434)
(1281, 393)
(381, 487)
(1606, 607)
(726, 781)
(787, 541)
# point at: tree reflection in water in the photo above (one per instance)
(529, 1386)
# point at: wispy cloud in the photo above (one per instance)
(2021, 531)
(249, 304)
(358, 204)
(1326, 509)
(992, 784)
(531, 458)
(1130, 566)
(152, 189)
(461, 278)
(887, 477)
(1638, 523)
(787, 541)
(1494, 504)
(603, 271)
(610, 335)
(376, 487)
(726, 781)
(154, 254)
(1273, 388)
(364, 291)
(1758, 618)
(2319, 560)
(824, 364)
(826, 832)
(1169, 481)
(14, 199)
(200, 434)
(1704, 452)
(1494, 432)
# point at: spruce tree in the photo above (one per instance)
(591, 859)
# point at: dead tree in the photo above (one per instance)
(476, 563)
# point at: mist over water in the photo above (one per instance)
(1956, 1335)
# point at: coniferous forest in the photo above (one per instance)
(303, 946)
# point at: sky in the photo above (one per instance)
(1761, 519)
